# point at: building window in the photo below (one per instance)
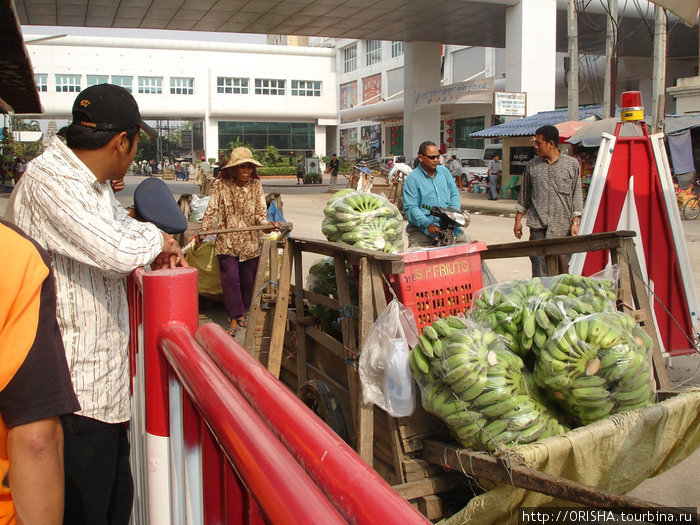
(373, 52)
(93, 80)
(151, 85)
(181, 86)
(41, 80)
(269, 86)
(463, 127)
(396, 49)
(306, 88)
(125, 82)
(350, 58)
(68, 84)
(299, 137)
(236, 86)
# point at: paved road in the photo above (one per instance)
(492, 222)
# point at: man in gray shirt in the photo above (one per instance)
(550, 194)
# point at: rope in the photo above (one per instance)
(264, 285)
(693, 343)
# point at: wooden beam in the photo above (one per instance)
(641, 300)
(423, 487)
(279, 322)
(299, 309)
(482, 465)
(364, 423)
(255, 315)
(389, 262)
(565, 245)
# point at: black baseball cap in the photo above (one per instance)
(107, 107)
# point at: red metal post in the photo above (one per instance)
(356, 490)
(168, 296)
(276, 481)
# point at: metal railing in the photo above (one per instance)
(217, 439)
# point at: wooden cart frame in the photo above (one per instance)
(410, 453)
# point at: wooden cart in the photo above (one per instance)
(410, 453)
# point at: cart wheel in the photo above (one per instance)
(323, 402)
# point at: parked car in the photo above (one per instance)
(490, 150)
(474, 170)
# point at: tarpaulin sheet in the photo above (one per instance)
(615, 454)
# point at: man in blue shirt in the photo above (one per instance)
(433, 185)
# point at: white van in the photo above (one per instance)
(492, 149)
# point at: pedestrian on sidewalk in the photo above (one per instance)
(300, 170)
(333, 166)
(455, 168)
(494, 172)
(550, 195)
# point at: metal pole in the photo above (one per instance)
(658, 86)
(610, 82)
(572, 25)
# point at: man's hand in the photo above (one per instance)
(518, 228)
(170, 257)
(117, 185)
(434, 229)
(574, 229)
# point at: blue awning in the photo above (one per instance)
(526, 127)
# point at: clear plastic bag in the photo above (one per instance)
(597, 365)
(384, 371)
(482, 391)
(526, 312)
(363, 219)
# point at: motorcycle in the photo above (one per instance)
(450, 219)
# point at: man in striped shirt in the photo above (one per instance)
(550, 195)
(65, 202)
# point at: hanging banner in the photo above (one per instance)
(472, 92)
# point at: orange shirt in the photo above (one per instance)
(20, 298)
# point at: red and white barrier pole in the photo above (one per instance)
(169, 297)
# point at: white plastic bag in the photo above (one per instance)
(198, 206)
(384, 372)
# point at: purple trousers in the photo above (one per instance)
(237, 283)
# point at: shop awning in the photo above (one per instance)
(526, 127)
(18, 91)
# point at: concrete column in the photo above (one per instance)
(531, 35)
(320, 148)
(421, 73)
(211, 137)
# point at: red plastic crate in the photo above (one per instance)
(439, 282)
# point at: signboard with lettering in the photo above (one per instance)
(471, 92)
(519, 157)
(509, 104)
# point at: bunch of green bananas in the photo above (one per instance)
(504, 308)
(475, 384)
(599, 293)
(597, 365)
(521, 312)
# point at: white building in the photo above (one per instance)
(260, 94)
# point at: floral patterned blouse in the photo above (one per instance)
(232, 206)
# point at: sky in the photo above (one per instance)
(240, 38)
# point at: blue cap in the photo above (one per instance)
(366, 170)
(154, 203)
